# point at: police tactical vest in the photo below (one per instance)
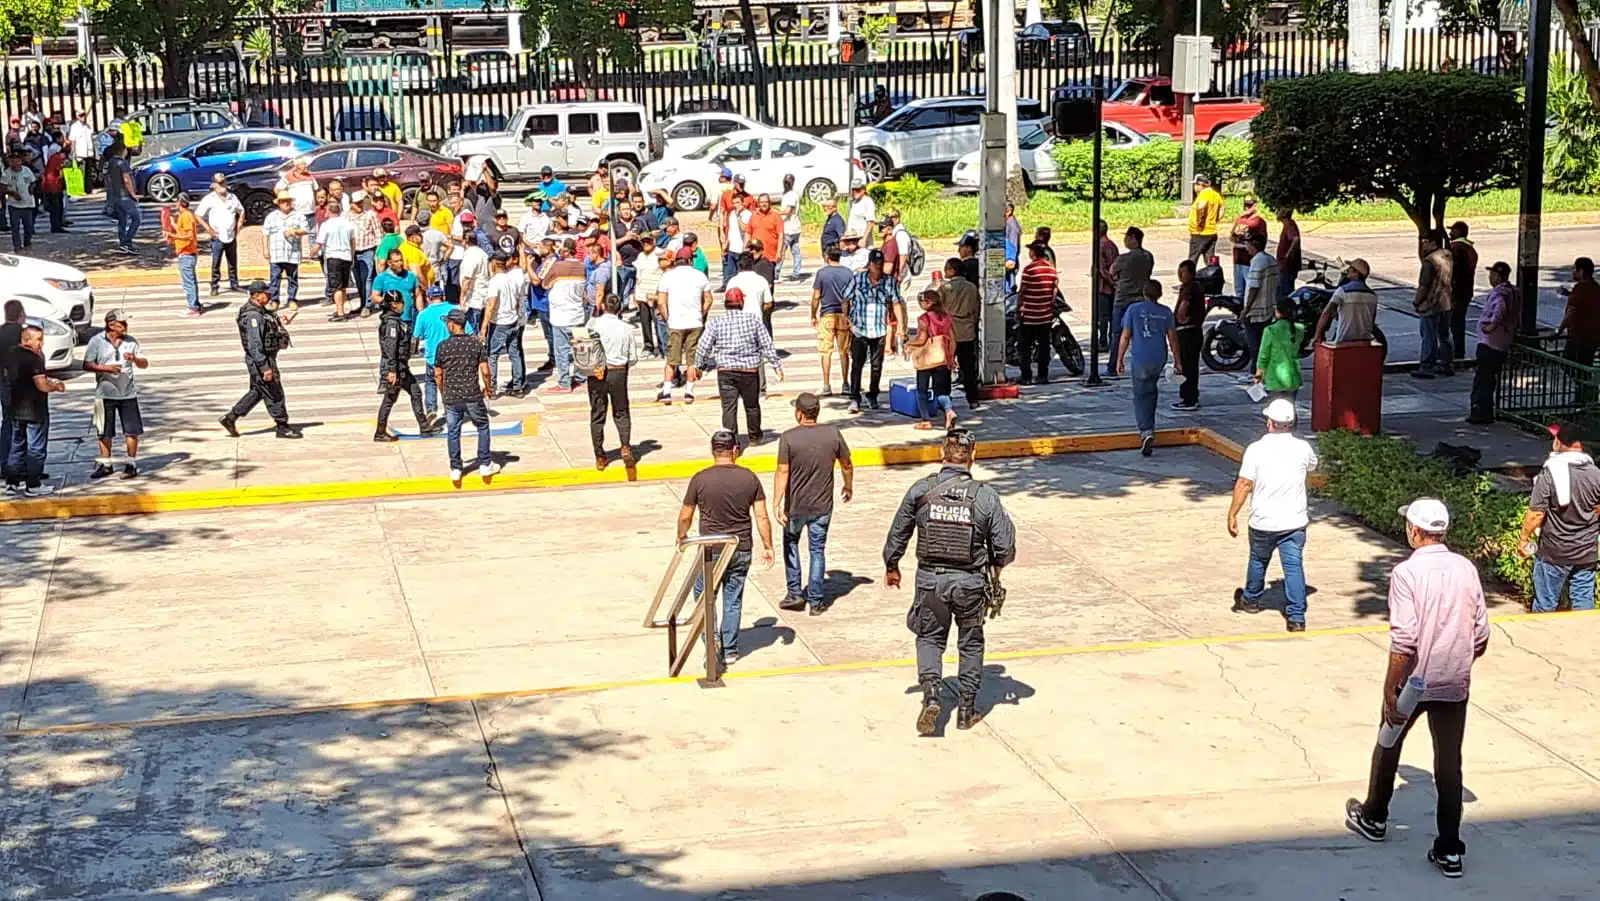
(947, 533)
(274, 337)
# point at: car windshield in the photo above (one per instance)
(1125, 92)
(1032, 139)
(708, 148)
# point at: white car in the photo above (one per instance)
(59, 338)
(58, 291)
(763, 157)
(1038, 164)
(926, 135)
(685, 133)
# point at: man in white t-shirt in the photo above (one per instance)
(1273, 477)
(505, 311)
(737, 229)
(758, 300)
(475, 284)
(683, 297)
(222, 215)
(863, 218)
(789, 208)
(335, 244)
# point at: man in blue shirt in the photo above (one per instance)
(550, 185)
(1147, 330)
(396, 277)
(431, 331)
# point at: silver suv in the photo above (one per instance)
(171, 125)
(573, 139)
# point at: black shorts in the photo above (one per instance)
(126, 410)
(337, 273)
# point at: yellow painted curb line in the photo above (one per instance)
(813, 669)
(325, 492)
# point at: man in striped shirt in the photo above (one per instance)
(1036, 313)
(735, 344)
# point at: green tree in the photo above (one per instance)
(585, 32)
(1417, 138)
(32, 17)
(1158, 22)
(174, 31)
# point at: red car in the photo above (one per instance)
(1148, 106)
(350, 162)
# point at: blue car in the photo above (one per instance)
(189, 171)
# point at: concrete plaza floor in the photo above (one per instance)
(1142, 741)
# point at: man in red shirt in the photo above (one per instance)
(1248, 225)
(766, 226)
(1036, 299)
(1105, 300)
(892, 262)
(1288, 255)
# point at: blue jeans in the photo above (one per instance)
(30, 442)
(6, 426)
(128, 219)
(1290, 546)
(816, 530)
(730, 267)
(454, 415)
(219, 252)
(1144, 378)
(732, 599)
(430, 391)
(1436, 348)
(1550, 578)
(791, 244)
(364, 267)
(1241, 275)
(506, 339)
(933, 393)
(627, 280)
(452, 281)
(191, 283)
(561, 336)
(21, 227)
(275, 271)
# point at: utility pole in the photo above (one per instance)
(992, 185)
(1536, 77)
(1186, 194)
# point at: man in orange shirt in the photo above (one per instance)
(182, 235)
(766, 226)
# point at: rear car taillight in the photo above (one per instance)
(448, 168)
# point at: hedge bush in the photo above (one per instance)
(1153, 170)
(1374, 476)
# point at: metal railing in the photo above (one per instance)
(1539, 386)
(699, 621)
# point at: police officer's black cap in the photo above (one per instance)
(393, 297)
(257, 287)
(459, 317)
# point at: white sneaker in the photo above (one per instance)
(41, 491)
(488, 470)
(455, 476)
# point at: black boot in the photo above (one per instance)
(967, 717)
(227, 422)
(286, 430)
(928, 719)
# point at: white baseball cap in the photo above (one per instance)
(1428, 514)
(1280, 411)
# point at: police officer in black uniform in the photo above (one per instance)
(395, 343)
(963, 537)
(262, 335)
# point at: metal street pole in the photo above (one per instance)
(1537, 79)
(1187, 190)
(992, 200)
(1095, 287)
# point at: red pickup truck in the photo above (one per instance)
(1148, 105)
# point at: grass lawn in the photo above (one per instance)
(951, 216)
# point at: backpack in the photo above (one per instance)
(916, 257)
(588, 356)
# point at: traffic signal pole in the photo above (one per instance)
(1529, 227)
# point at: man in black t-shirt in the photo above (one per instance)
(728, 498)
(802, 492)
(10, 337)
(461, 372)
(29, 410)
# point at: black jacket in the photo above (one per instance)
(395, 343)
(261, 335)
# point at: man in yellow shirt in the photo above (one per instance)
(416, 258)
(391, 190)
(439, 216)
(1204, 217)
(132, 136)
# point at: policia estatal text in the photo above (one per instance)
(964, 538)
(262, 336)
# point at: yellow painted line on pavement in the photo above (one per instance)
(72, 506)
(1114, 647)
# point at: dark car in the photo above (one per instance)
(350, 162)
(1054, 43)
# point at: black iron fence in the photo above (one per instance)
(426, 96)
(1539, 385)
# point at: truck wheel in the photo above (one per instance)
(257, 206)
(623, 168)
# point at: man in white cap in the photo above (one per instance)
(1438, 627)
(1273, 477)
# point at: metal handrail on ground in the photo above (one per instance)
(1539, 386)
(700, 620)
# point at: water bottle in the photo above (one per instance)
(1410, 696)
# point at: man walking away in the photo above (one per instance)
(1272, 476)
(1497, 328)
(802, 498)
(608, 388)
(729, 499)
(185, 241)
(1463, 269)
(112, 356)
(222, 216)
(1147, 330)
(960, 299)
(1246, 227)
(395, 341)
(828, 289)
(335, 247)
(735, 344)
(1036, 299)
(29, 411)
(1130, 273)
(431, 330)
(1204, 217)
(1438, 627)
(1581, 319)
(683, 298)
(1563, 510)
(120, 197)
(262, 335)
(461, 372)
(1189, 318)
(1260, 297)
(1432, 302)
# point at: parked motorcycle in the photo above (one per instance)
(1225, 347)
(1061, 339)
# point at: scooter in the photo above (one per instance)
(1225, 345)
(1061, 339)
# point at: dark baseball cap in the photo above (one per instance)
(546, 170)
(723, 441)
(1501, 267)
(808, 404)
(457, 316)
(257, 287)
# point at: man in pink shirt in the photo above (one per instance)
(1438, 626)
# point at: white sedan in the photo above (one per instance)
(1038, 165)
(59, 338)
(763, 157)
(688, 132)
(57, 290)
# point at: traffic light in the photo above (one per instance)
(853, 50)
(628, 19)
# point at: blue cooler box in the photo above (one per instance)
(903, 398)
